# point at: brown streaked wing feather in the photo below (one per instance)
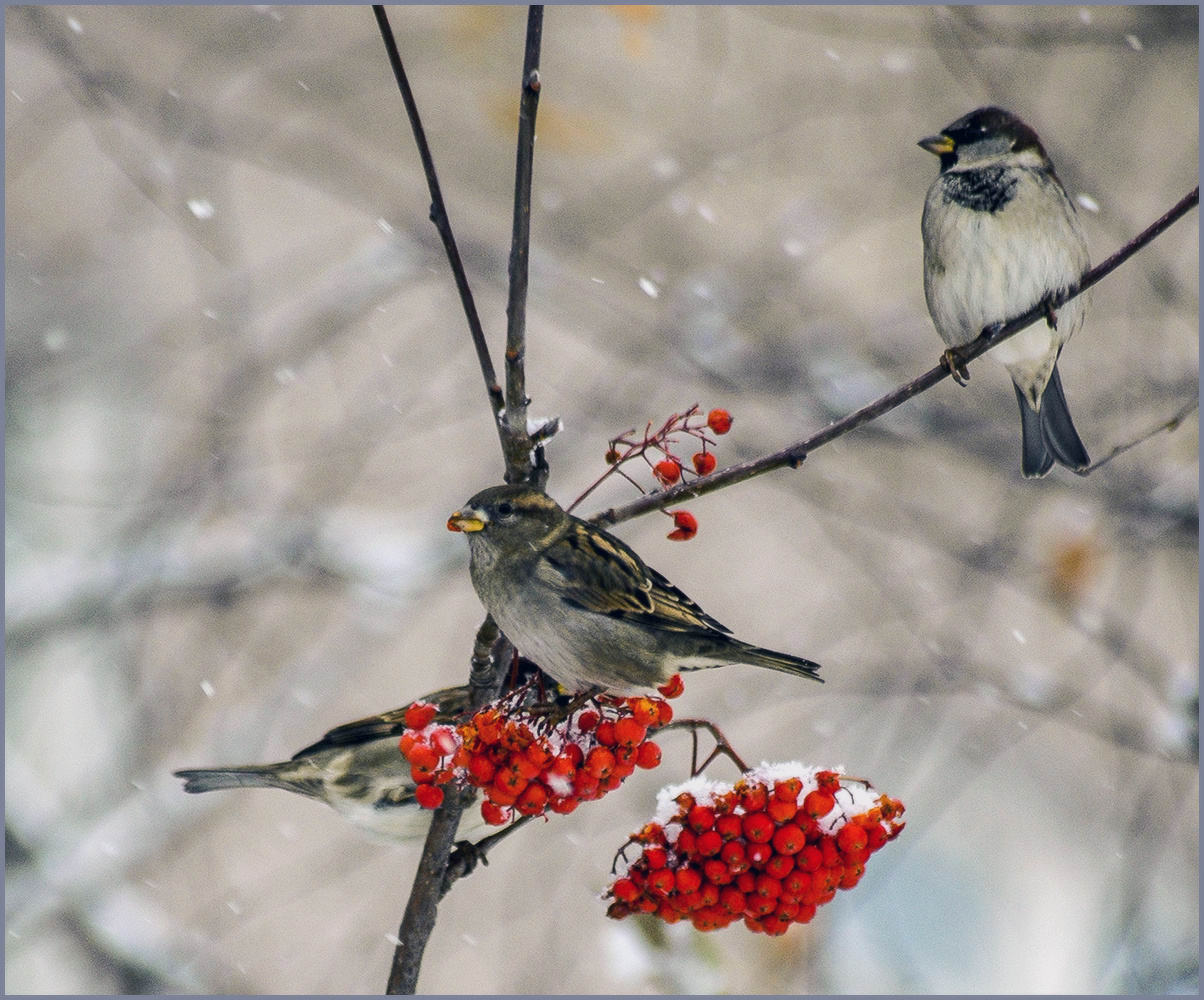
(601, 574)
(451, 701)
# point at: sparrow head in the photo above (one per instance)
(984, 137)
(508, 515)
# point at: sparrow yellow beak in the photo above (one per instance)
(938, 145)
(463, 520)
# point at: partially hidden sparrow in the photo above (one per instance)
(1001, 236)
(356, 769)
(583, 606)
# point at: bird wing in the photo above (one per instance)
(451, 702)
(596, 572)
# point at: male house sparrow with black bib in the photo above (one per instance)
(1000, 236)
(356, 769)
(584, 606)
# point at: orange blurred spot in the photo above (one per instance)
(556, 129)
(1074, 565)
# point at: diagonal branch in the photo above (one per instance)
(442, 223)
(516, 442)
(1167, 425)
(795, 453)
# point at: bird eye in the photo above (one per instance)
(505, 509)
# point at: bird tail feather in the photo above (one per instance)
(1035, 457)
(1058, 429)
(743, 652)
(212, 779)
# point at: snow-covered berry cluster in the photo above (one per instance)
(769, 849)
(524, 763)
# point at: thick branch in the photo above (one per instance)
(443, 224)
(516, 442)
(490, 655)
(795, 453)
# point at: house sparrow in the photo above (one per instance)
(356, 769)
(583, 605)
(1000, 236)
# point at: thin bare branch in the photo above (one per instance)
(516, 442)
(443, 224)
(1166, 425)
(795, 453)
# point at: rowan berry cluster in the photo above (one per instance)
(525, 763)
(769, 849)
(655, 447)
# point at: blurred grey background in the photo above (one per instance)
(241, 401)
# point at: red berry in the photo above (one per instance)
(687, 842)
(787, 791)
(407, 743)
(758, 828)
(709, 844)
(585, 785)
(624, 889)
(657, 857)
(664, 713)
(687, 526)
(704, 463)
(662, 882)
(420, 715)
(796, 883)
(733, 855)
(562, 806)
(729, 825)
(716, 871)
(805, 913)
(688, 879)
(428, 796)
(852, 838)
(606, 733)
(779, 811)
(673, 687)
(423, 761)
(746, 882)
(720, 421)
(644, 710)
(648, 756)
(758, 854)
(754, 799)
(586, 721)
(532, 800)
(789, 839)
(538, 755)
(701, 818)
(494, 815)
(443, 741)
(779, 866)
(732, 900)
(818, 804)
(630, 732)
(831, 856)
(875, 836)
(810, 858)
(668, 471)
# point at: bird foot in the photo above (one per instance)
(463, 861)
(1051, 317)
(952, 363)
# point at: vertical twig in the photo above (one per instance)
(517, 442)
(438, 216)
